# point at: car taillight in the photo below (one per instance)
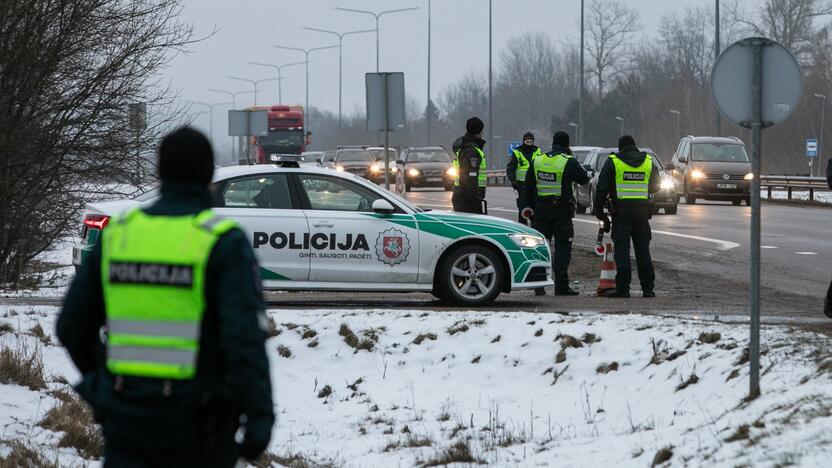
(96, 221)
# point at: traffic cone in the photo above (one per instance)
(607, 281)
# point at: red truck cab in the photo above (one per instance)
(286, 133)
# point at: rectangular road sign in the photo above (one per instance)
(513, 145)
(811, 148)
(248, 123)
(377, 95)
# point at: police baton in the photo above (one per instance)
(484, 207)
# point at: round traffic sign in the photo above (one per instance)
(733, 76)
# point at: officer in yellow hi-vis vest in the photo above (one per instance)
(551, 204)
(518, 164)
(165, 322)
(626, 180)
(470, 166)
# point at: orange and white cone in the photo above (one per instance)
(607, 281)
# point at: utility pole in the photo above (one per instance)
(233, 95)
(340, 37)
(430, 106)
(377, 16)
(306, 52)
(279, 69)
(211, 115)
(676, 113)
(621, 119)
(581, 84)
(254, 83)
(820, 142)
(490, 123)
(718, 119)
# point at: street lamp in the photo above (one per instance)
(490, 81)
(377, 16)
(581, 84)
(340, 37)
(306, 53)
(211, 115)
(820, 143)
(622, 123)
(676, 113)
(233, 95)
(279, 69)
(252, 82)
(430, 105)
(574, 125)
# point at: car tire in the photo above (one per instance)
(448, 188)
(454, 285)
(689, 200)
(671, 210)
(736, 202)
(406, 187)
(748, 201)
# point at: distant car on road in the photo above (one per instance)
(712, 168)
(378, 167)
(667, 198)
(426, 166)
(353, 159)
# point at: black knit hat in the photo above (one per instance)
(185, 155)
(474, 126)
(625, 141)
(528, 136)
(561, 139)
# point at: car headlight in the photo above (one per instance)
(413, 172)
(667, 183)
(375, 168)
(749, 176)
(451, 171)
(339, 168)
(527, 240)
(697, 174)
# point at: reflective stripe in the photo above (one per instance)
(182, 357)
(211, 223)
(163, 328)
(482, 177)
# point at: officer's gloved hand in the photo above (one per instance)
(255, 439)
(515, 185)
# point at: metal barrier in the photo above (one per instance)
(789, 183)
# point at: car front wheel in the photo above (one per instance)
(470, 276)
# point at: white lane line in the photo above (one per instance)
(768, 247)
(806, 253)
(723, 245)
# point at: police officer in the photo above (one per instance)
(518, 163)
(627, 180)
(469, 165)
(827, 303)
(165, 323)
(551, 204)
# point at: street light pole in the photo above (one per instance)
(716, 56)
(279, 69)
(340, 37)
(621, 119)
(233, 95)
(581, 84)
(377, 16)
(306, 53)
(254, 83)
(490, 88)
(820, 143)
(211, 115)
(429, 108)
(676, 113)
(573, 124)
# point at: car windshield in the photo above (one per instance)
(355, 155)
(423, 156)
(378, 154)
(282, 138)
(580, 155)
(719, 152)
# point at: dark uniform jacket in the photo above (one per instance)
(630, 209)
(829, 173)
(469, 163)
(199, 417)
(511, 169)
(572, 173)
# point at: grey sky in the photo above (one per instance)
(247, 29)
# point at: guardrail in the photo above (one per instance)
(768, 182)
(790, 183)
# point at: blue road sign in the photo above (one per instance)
(811, 148)
(512, 145)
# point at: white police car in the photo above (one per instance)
(318, 229)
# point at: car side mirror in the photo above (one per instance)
(382, 206)
(683, 159)
(588, 167)
(669, 167)
(399, 162)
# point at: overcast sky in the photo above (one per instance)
(247, 29)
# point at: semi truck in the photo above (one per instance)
(287, 133)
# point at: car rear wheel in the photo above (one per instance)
(689, 200)
(406, 187)
(671, 210)
(470, 276)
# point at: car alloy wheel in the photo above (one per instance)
(471, 276)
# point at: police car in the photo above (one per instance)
(323, 230)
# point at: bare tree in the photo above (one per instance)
(610, 27)
(70, 72)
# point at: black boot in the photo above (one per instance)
(566, 292)
(648, 293)
(617, 293)
(539, 292)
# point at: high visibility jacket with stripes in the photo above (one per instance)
(523, 163)
(482, 177)
(153, 276)
(548, 174)
(632, 183)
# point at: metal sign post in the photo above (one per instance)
(385, 109)
(811, 153)
(756, 83)
(248, 123)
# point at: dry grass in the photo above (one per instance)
(590, 338)
(692, 379)
(272, 331)
(353, 341)
(569, 341)
(292, 460)
(74, 418)
(22, 365)
(424, 336)
(37, 332)
(561, 356)
(325, 392)
(539, 332)
(742, 433)
(662, 456)
(284, 351)
(21, 454)
(497, 339)
(709, 338)
(459, 452)
(459, 327)
(6, 327)
(605, 368)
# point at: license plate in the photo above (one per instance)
(434, 179)
(726, 186)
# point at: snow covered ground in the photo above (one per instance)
(399, 388)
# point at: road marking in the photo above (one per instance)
(504, 210)
(806, 253)
(723, 245)
(768, 247)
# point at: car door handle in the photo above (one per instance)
(320, 224)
